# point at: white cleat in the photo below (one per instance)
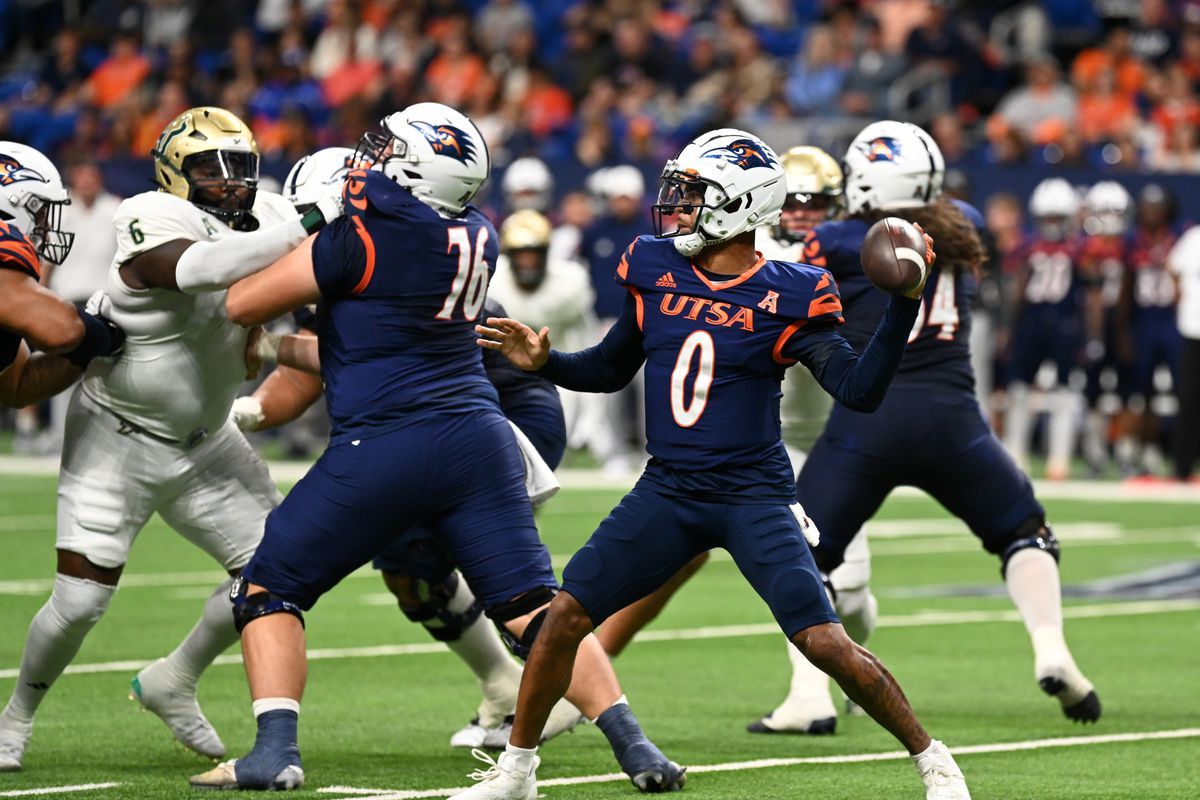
(502, 780)
(224, 776)
(177, 706)
(473, 735)
(13, 738)
(1074, 692)
(942, 778)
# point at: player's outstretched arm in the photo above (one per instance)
(284, 286)
(858, 382)
(607, 367)
(33, 379)
(41, 317)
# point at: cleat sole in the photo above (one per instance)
(819, 727)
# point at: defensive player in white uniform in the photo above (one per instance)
(814, 194)
(151, 431)
(553, 291)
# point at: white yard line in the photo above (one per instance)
(919, 619)
(79, 787)
(764, 763)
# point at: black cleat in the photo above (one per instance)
(818, 727)
(1085, 711)
(665, 777)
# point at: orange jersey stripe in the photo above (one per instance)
(369, 246)
(23, 254)
(637, 299)
(825, 304)
(788, 332)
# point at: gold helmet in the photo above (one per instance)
(814, 180)
(524, 230)
(204, 156)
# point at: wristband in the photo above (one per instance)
(100, 338)
(312, 220)
(267, 347)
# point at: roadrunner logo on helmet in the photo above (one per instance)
(731, 178)
(434, 151)
(32, 197)
(891, 166)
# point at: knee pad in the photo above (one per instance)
(78, 601)
(1032, 533)
(447, 607)
(502, 613)
(249, 607)
(522, 646)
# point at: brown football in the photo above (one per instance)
(894, 255)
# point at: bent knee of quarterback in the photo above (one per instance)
(249, 607)
(446, 608)
(521, 646)
(1033, 533)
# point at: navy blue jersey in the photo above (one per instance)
(601, 245)
(18, 254)
(715, 353)
(938, 347)
(401, 288)
(1052, 276)
(1152, 286)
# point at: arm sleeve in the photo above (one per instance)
(858, 382)
(607, 367)
(212, 266)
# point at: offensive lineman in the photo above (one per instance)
(32, 196)
(716, 339)
(151, 431)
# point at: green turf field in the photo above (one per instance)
(379, 722)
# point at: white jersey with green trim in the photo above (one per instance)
(183, 359)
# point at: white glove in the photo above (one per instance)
(807, 526)
(99, 304)
(247, 413)
(325, 211)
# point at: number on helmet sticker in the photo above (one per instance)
(942, 312)
(688, 414)
(472, 274)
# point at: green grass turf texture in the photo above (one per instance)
(384, 722)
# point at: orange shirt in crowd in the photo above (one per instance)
(116, 77)
(1103, 116)
(1129, 74)
(452, 79)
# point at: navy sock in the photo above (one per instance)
(275, 748)
(635, 753)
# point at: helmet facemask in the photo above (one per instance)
(682, 199)
(803, 211)
(223, 183)
(48, 237)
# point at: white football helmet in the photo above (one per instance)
(32, 196)
(1053, 206)
(1107, 205)
(891, 166)
(527, 183)
(317, 176)
(432, 150)
(732, 177)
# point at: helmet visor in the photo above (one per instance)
(680, 198)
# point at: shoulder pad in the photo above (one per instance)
(801, 292)
(646, 260)
(368, 190)
(17, 252)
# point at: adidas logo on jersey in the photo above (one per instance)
(665, 282)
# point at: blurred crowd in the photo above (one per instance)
(585, 83)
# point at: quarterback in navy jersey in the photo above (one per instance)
(929, 431)
(33, 195)
(417, 434)
(716, 325)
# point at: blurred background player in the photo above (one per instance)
(617, 442)
(1056, 306)
(528, 185)
(551, 291)
(1107, 211)
(402, 375)
(929, 432)
(1184, 262)
(719, 475)
(32, 202)
(1150, 295)
(150, 432)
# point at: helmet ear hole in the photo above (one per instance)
(735, 205)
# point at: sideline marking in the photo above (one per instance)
(763, 763)
(922, 618)
(79, 787)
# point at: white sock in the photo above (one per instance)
(212, 635)
(520, 759)
(1018, 420)
(1064, 409)
(57, 631)
(1033, 585)
(481, 650)
(266, 704)
(859, 611)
